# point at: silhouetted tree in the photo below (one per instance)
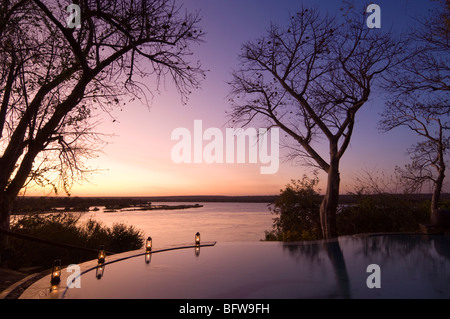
(420, 101)
(310, 79)
(53, 78)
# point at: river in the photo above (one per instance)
(221, 222)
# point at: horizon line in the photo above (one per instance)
(203, 196)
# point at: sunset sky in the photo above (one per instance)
(137, 161)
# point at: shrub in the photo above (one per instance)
(123, 238)
(298, 212)
(382, 213)
(298, 205)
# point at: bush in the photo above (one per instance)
(298, 212)
(382, 213)
(298, 205)
(65, 228)
(124, 238)
(445, 204)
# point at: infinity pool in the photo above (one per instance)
(406, 266)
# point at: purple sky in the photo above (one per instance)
(137, 162)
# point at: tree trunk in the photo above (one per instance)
(330, 201)
(435, 199)
(5, 213)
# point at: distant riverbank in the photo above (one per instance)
(80, 204)
(111, 209)
(30, 204)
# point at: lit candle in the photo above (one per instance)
(197, 239)
(148, 244)
(101, 255)
(56, 273)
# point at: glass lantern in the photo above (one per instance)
(56, 273)
(197, 239)
(101, 255)
(148, 245)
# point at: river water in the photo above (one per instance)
(221, 222)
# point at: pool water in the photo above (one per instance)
(406, 266)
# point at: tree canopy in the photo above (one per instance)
(310, 77)
(54, 78)
(419, 99)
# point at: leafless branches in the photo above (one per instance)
(419, 100)
(54, 78)
(310, 78)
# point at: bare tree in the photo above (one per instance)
(420, 100)
(310, 79)
(54, 78)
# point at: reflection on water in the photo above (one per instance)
(328, 257)
(337, 261)
(411, 266)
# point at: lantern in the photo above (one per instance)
(148, 245)
(56, 273)
(101, 255)
(197, 239)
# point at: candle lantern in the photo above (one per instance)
(56, 273)
(101, 255)
(148, 245)
(197, 239)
